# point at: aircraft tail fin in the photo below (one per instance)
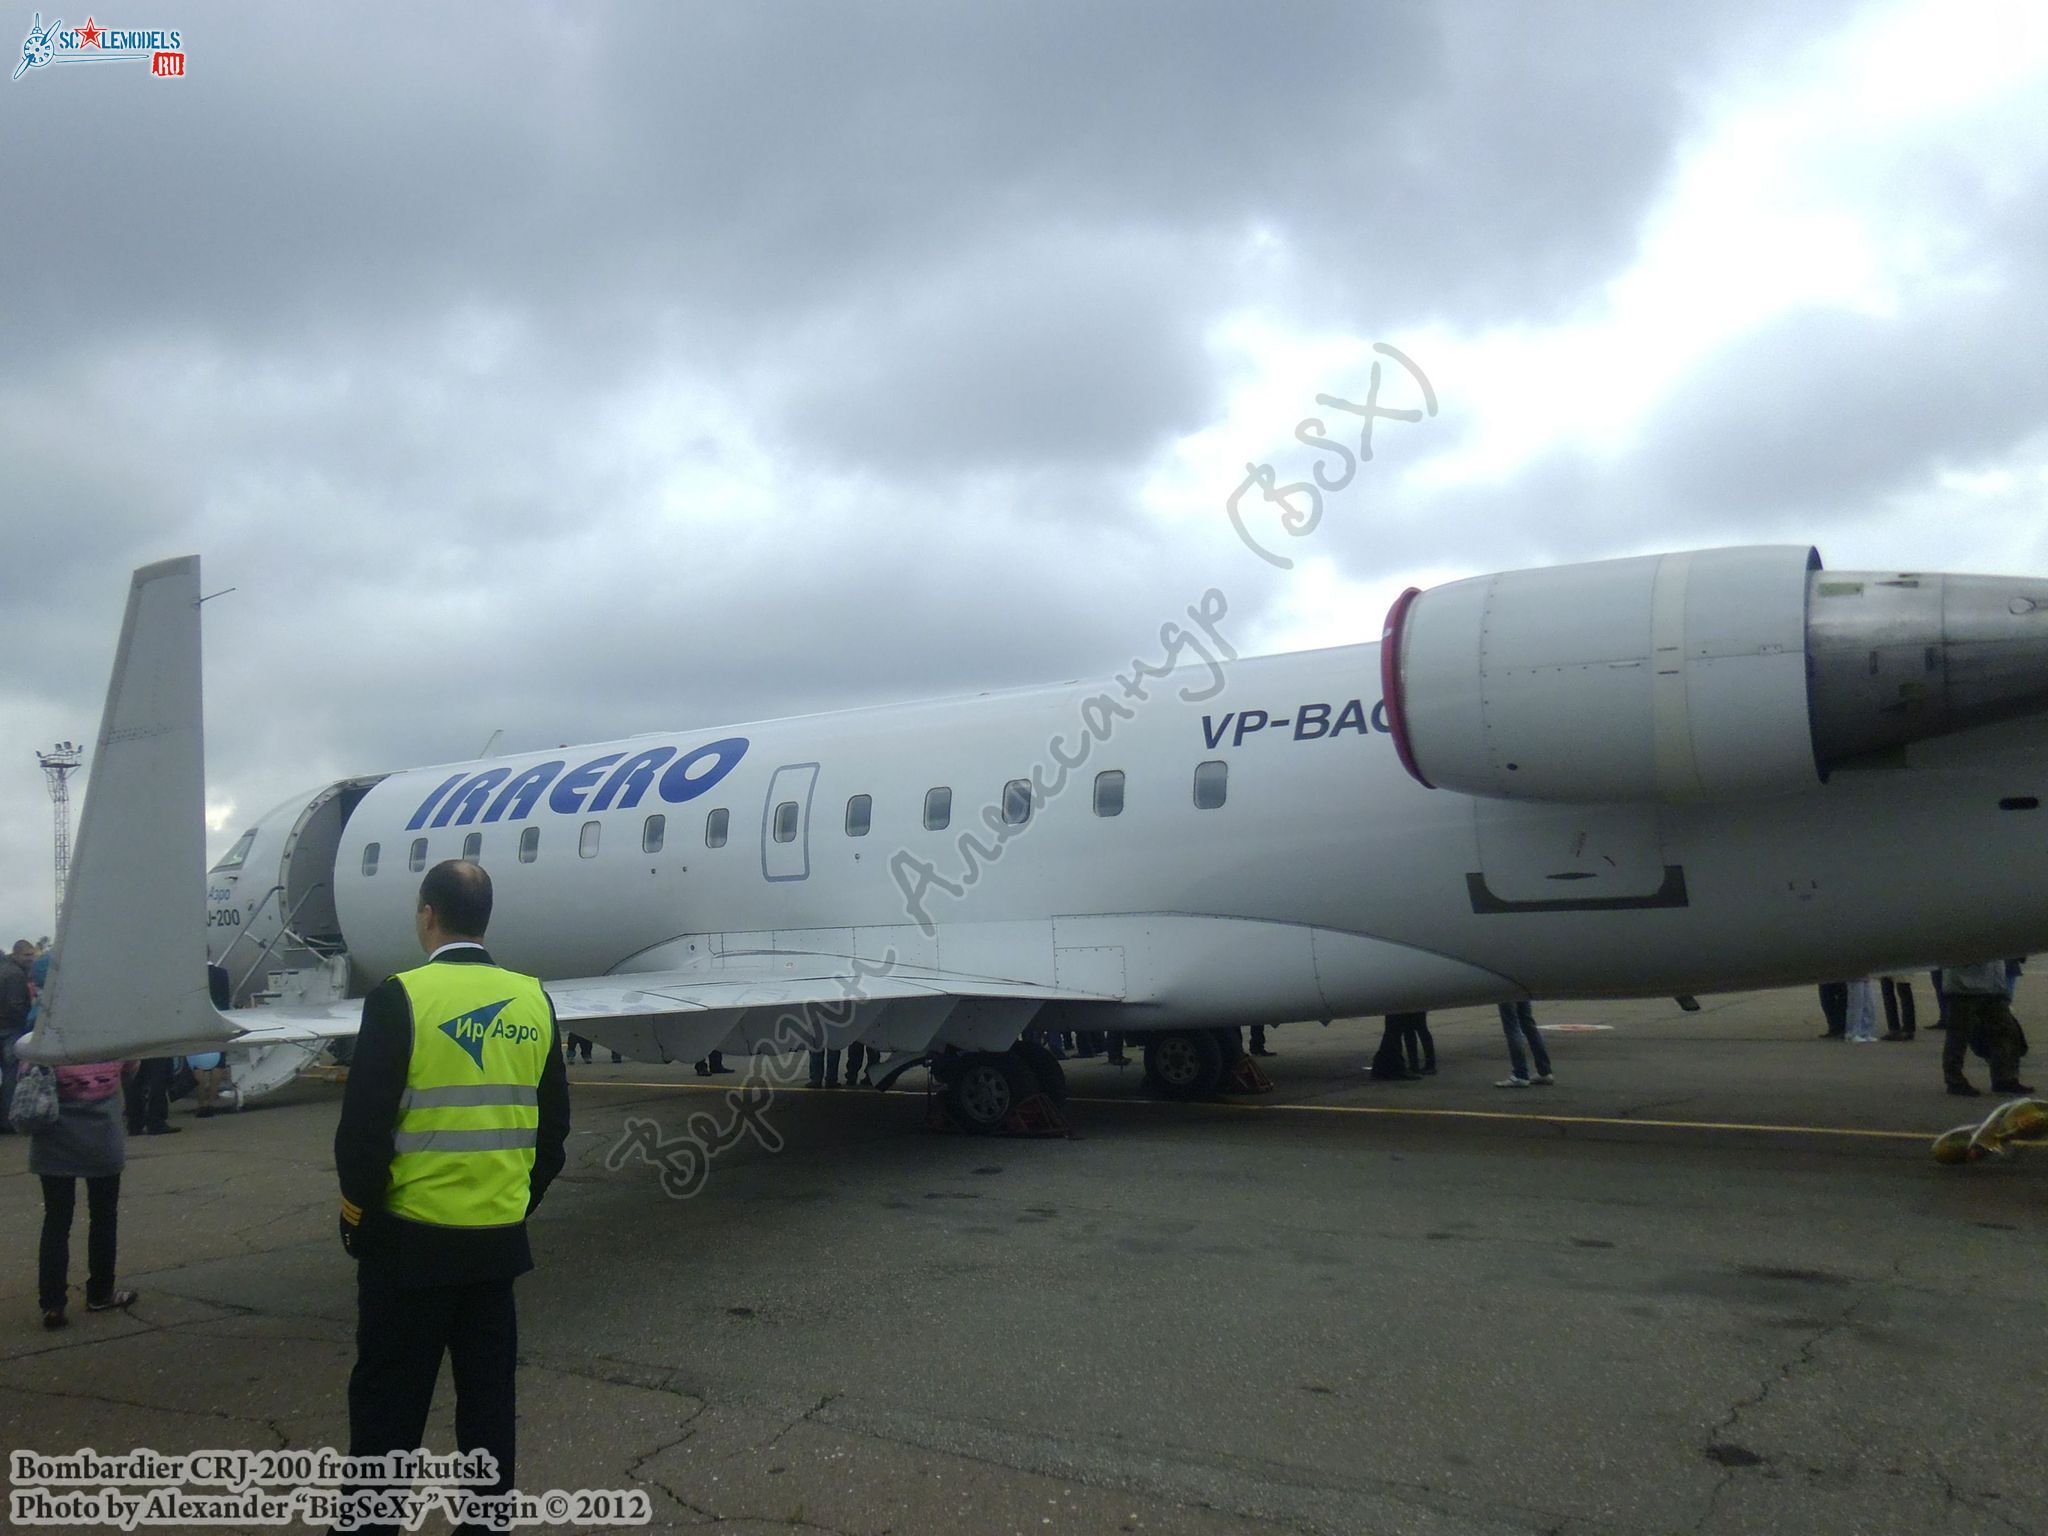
(128, 973)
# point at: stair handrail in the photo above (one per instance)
(284, 931)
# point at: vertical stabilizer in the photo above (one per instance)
(128, 974)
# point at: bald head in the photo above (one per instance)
(23, 950)
(455, 900)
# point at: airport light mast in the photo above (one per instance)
(59, 763)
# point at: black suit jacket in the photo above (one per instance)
(409, 1253)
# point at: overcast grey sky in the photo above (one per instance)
(581, 370)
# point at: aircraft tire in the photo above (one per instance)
(1185, 1063)
(1045, 1069)
(984, 1087)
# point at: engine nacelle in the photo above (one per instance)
(1717, 674)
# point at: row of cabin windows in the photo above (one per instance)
(1212, 787)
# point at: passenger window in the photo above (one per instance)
(1109, 792)
(473, 847)
(529, 845)
(1212, 783)
(586, 845)
(859, 810)
(418, 859)
(714, 828)
(654, 834)
(370, 852)
(785, 822)
(1017, 802)
(938, 809)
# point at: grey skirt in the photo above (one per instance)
(88, 1141)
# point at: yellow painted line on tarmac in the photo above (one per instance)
(1854, 1132)
(1502, 1114)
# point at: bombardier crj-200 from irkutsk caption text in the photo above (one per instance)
(1644, 777)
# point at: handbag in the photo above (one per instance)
(35, 1100)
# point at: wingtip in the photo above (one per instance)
(178, 565)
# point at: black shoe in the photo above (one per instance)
(1834, 1034)
(1119, 1061)
(1963, 1090)
(53, 1317)
(1262, 1051)
(722, 1070)
(2010, 1088)
(116, 1301)
(617, 1058)
(163, 1130)
(703, 1069)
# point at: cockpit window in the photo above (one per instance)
(233, 858)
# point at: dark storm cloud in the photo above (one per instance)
(671, 365)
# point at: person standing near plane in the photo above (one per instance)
(85, 1143)
(15, 998)
(1980, 1014)
(1901, 1018)
(1834, 1009)
(452, 1127)
(1518, 1020)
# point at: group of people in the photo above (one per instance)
(1974, 1004)
(1407, 1050)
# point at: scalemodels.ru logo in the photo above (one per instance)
(163, 50)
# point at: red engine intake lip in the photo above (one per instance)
(1390, 682)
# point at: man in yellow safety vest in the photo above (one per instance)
(452, 1127)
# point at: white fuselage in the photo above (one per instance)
(1328, 883)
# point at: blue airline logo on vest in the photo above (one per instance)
(479, 1024)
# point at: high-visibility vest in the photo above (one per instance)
(470, 1115)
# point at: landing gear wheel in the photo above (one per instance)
(1045, 1069)
(1185, 1063)
(984, 1086)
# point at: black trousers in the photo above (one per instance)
(1989, 1021)
(1834, 1006)
(1406, 1045)
(60, 1200)
(1900, 1016)
(1417, 1043)
(149, 1095)
(401, 1334)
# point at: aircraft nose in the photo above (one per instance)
(1897, 658)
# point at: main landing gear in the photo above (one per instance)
(1017, 1092)
(1201, 1063)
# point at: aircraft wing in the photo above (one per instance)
(789, 1002)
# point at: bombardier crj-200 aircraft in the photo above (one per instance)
(1642, 777)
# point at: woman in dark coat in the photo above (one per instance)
(87, 1142)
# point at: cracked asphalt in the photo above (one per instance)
(1298, 1313)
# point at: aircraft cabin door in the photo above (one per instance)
(786, 822)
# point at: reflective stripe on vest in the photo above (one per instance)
(469, 1118)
